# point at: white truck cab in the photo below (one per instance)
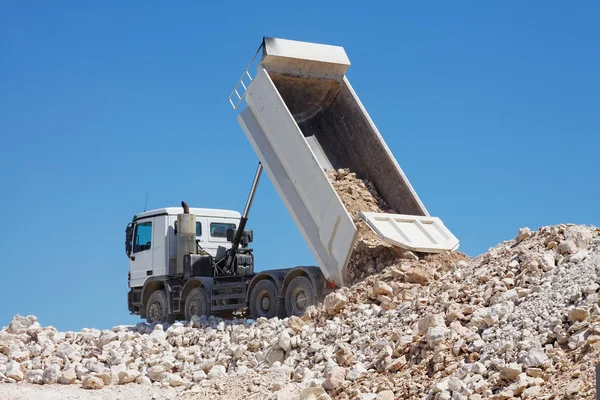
(154, 246)
(186, 262)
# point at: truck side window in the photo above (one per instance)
(198, 228)
(219, 229)
(143, 237)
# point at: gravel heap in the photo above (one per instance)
(520, 321)
(371, 254)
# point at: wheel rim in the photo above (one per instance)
(264, 302)
(194, 308)
(300, 300)
(155, 312)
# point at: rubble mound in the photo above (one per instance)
(519, 321)
(371, 254)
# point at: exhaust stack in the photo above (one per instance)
(186, 236)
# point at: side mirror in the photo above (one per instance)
(249, 235)
(230, 235)
(128, 238)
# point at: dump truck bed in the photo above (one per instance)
(302, 118)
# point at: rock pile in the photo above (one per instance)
(371, 254)
(520, 321)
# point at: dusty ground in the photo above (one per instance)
(26, 391)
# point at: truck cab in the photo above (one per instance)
(186, 262)
(152, 248)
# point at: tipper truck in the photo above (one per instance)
(302, 118)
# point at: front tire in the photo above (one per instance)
(264, 301)
(196, 303)
(156, 308)
(299, 295)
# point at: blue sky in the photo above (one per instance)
(491, 109)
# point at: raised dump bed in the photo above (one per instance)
(302, 118)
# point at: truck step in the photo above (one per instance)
(228, 307)
(229, 285)
(241, 296)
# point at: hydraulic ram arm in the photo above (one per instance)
(240, 230)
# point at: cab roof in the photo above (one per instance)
(200, 212)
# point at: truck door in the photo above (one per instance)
(141, 264)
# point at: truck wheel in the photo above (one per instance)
(156, 308)
(196, 303)
(299, 295)
(264, 301)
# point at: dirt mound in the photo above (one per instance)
(371, 254)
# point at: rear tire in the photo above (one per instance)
(299, 295)
(156, 308)
(264, 301)
(196, 303)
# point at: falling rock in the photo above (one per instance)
(51, 374)
(335, 302)
(93, 383)
(334, 377)
(578, 314)
(68, 377)
(418, 275)
(381, 288)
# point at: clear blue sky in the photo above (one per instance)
(492, 110)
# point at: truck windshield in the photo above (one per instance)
(143, 237)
